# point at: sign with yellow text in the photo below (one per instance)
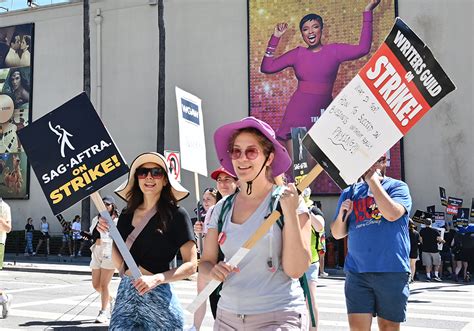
(71, 153)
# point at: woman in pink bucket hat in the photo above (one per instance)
(263, 291)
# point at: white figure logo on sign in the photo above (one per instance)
(62, 137)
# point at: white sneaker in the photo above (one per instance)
(323, 274)
(102, 317)
(6, 300)
(192, 328)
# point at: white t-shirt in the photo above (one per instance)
(5, 213)
(76, 227)
(256, 289)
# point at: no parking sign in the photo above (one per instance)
(174, 164)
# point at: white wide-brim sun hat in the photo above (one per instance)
(178, 190)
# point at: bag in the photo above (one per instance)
(134, 235)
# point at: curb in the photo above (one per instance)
(49, 271)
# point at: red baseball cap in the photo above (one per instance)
(219, 171)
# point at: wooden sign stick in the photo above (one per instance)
(115, 234)
(250, 243)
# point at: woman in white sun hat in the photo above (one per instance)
(152, 196)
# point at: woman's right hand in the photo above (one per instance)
(221, 270)
(280, 29)
(102, 225)
(198, 227)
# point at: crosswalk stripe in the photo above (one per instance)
(41, 288)
(49, 315)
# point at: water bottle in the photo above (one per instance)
(106, 243)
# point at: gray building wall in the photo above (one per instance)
(206, 54)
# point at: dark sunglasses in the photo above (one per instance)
(156, 173)
(107, 204)
(251, 153)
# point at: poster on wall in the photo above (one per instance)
(16, 87)
(290, 85)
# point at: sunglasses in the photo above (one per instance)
(107, 204)
(156, 173)
(251, 153)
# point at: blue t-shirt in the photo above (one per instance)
(375, 244)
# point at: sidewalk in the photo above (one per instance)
(75, 265)
(52, 264)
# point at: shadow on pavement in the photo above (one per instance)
(66, 325)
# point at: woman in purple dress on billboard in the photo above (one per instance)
(315, 67)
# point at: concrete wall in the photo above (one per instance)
(439, 151)
(206, 54)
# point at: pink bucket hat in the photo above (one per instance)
(282, 160)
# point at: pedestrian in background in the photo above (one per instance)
(44, 228)
(5, 227)
(78, 242)
(101, 264)
(312, 274)
(66, 239)
(29, 229)
(430, 238)
(226, 185)
(415, 243)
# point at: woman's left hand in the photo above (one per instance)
(289, 199)
(146, 283)
(372, 4)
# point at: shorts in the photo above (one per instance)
(430, 259)
(446, 255)
(312, 272)
(2, 255)
(66, 237)
(159, 309)
(414, 254)
(275, 320)
(466, 255)
(45, 235)
(383, 294)
(97, 259)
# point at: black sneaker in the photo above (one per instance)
(428, 279)
(437, 279)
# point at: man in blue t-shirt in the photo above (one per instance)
(374, 214)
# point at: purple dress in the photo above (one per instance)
(316, 73)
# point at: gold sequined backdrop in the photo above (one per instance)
(269, 94)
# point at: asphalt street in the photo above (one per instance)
(48, 301)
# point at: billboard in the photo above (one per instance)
(296, 87)
(16, 95)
